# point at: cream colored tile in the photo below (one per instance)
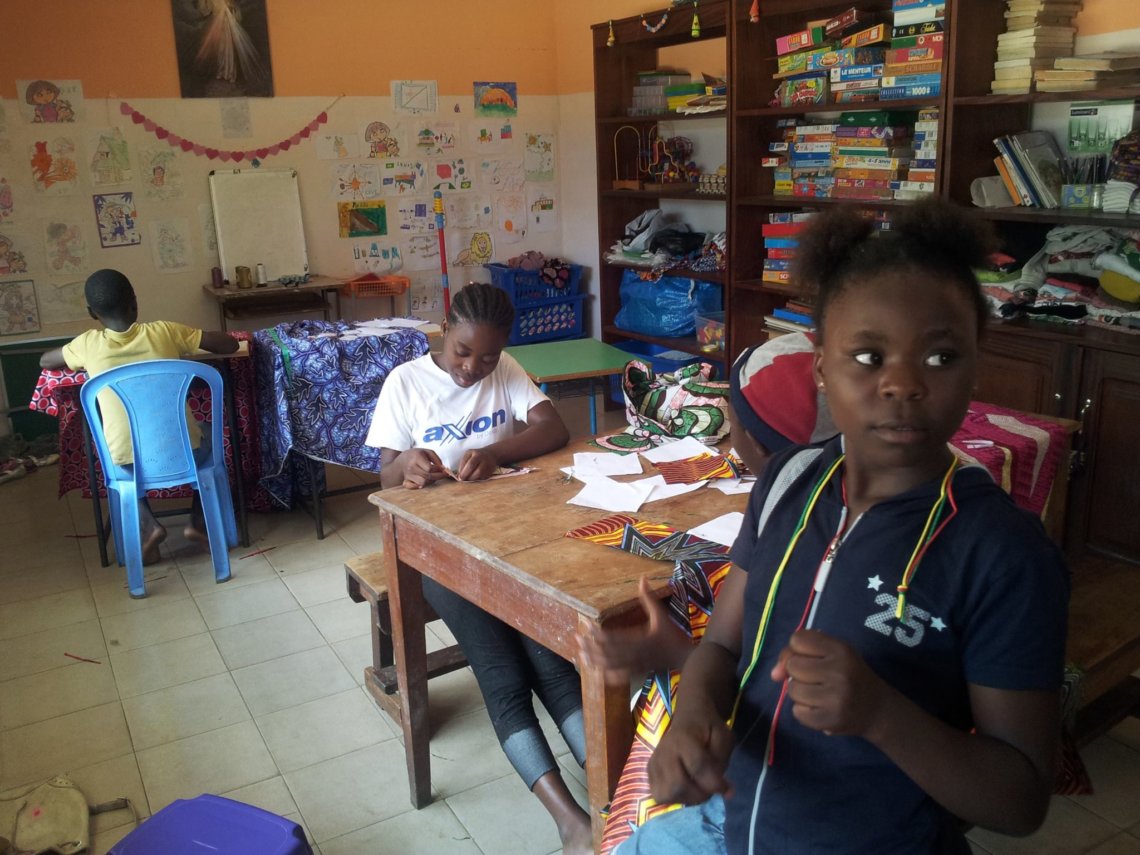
(318, 586)
(356, 655)
(352, 791)
(530, 831)
(1127, 732)
(267, 638)
(200, 579)
(274, 529)
(152, 626)
(184, 710)
(117, 778)
(32, 583)
(46, 551)
(431, 831)
(103, 841)
(976, 849)
(1121, 844)
(291, 680)
(232, 606)
(571, 771)
(272, 795)
(1115, 772)
(305, 555)
(147, 669)
(454, 695)
(1068, 829)
(213, 762)
(48, 694)
(41, 651)
(465, 753)
(322, 729)
(69, 741)
(341, 619)
(363, 534)
(45, 613)
(163, 585)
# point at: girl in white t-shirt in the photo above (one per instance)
(457, 410)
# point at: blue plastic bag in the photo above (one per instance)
(664, 307)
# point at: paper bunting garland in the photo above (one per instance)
(191, 147)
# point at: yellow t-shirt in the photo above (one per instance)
(97, 351)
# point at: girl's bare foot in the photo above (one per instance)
(196, 535)
(150, 542)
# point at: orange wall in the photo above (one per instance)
(1106, 16)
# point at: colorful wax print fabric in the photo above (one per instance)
(703, 467)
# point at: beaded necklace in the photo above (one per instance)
(935, 523)
(652, 28)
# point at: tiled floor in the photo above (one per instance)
(251, 689)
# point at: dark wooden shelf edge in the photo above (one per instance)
(807, 109)
(660, 117)
(717, 278)
(1075, 216)
(1122, 93)
(686, 345)
(1102, 338)
(805, 201)
(762, 287)
(663, 194)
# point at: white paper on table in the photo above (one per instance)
(661, 490)
(588, 463)
(733, 486)
(610, 495)
(723, 529)
(680, 449)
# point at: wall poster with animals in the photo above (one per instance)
(19, 312)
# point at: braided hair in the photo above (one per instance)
(480, 303)
(931, 237)
(109, 293)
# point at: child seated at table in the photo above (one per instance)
(454, 414)
(123, 340)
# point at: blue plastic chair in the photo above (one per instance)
(154, 393)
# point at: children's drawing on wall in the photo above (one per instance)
(427, 295)
(54, 170)
(51, 101)
(376, 257)
(542, 209)
(467, 211)
(65, 248)
(208, 229)
(160, 173)
(340, 146)
(511, 216)
(451, 175)
(489, 134)
(233, 113)
(61, 302)
(117, 219)
(110, 160)
(7, 202)
(539, 157)
(496, 99)
(434, 138)
(382, 140)
(475, 249)
(421, 252)
(416, 216)
(356, 181)
(402, 177)
(170, 244)
(222, 48)
(18, 310)
(11, 259)
(362, 219)
(414, 97)
(501, 173)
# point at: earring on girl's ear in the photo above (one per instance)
(820, 385)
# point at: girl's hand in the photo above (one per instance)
(421, 468)
(657, 643)
(830, 686)
(688, 764)
(478, 464)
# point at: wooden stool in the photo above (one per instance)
(367, 581)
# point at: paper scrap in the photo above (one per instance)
(604, 463)
(610, 495)
(660, 490)
(734, 486)
(723, 529)
(677, 450)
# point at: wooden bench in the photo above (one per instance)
(367, 581)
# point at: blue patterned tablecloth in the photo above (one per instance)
(316, 393)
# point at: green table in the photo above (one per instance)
(578, 359)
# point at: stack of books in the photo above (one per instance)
(1037, 31)
(1031, 167)
(795, 316)
(780, 243)
(913, 67)
(834, 59)
(1090, 71)
(923, 169)
(649, 91)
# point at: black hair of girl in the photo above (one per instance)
(931, 237)
(480, 303)
(109, 292)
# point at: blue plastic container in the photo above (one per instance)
(212, 825)
(548, 320)
(526, 285)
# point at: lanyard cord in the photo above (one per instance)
(930, 531)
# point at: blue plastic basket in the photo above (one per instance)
(524, 286)
(546, 320)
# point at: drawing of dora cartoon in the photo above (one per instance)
(48, 107)
(10, 260)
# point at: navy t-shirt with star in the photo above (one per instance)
(987, 606)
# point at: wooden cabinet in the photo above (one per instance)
(1027, 374)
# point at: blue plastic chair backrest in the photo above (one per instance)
(153, 393)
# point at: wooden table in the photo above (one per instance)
(578, 359)
(500, 544)
(275, 298)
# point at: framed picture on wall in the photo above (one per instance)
(223, 48)
(19, 312)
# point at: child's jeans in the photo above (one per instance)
(697, 828)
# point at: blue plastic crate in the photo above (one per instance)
(546, 320)
(525, 286)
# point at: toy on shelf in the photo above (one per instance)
(667, 161)
(633, 183)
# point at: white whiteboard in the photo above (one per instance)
(257, 218)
